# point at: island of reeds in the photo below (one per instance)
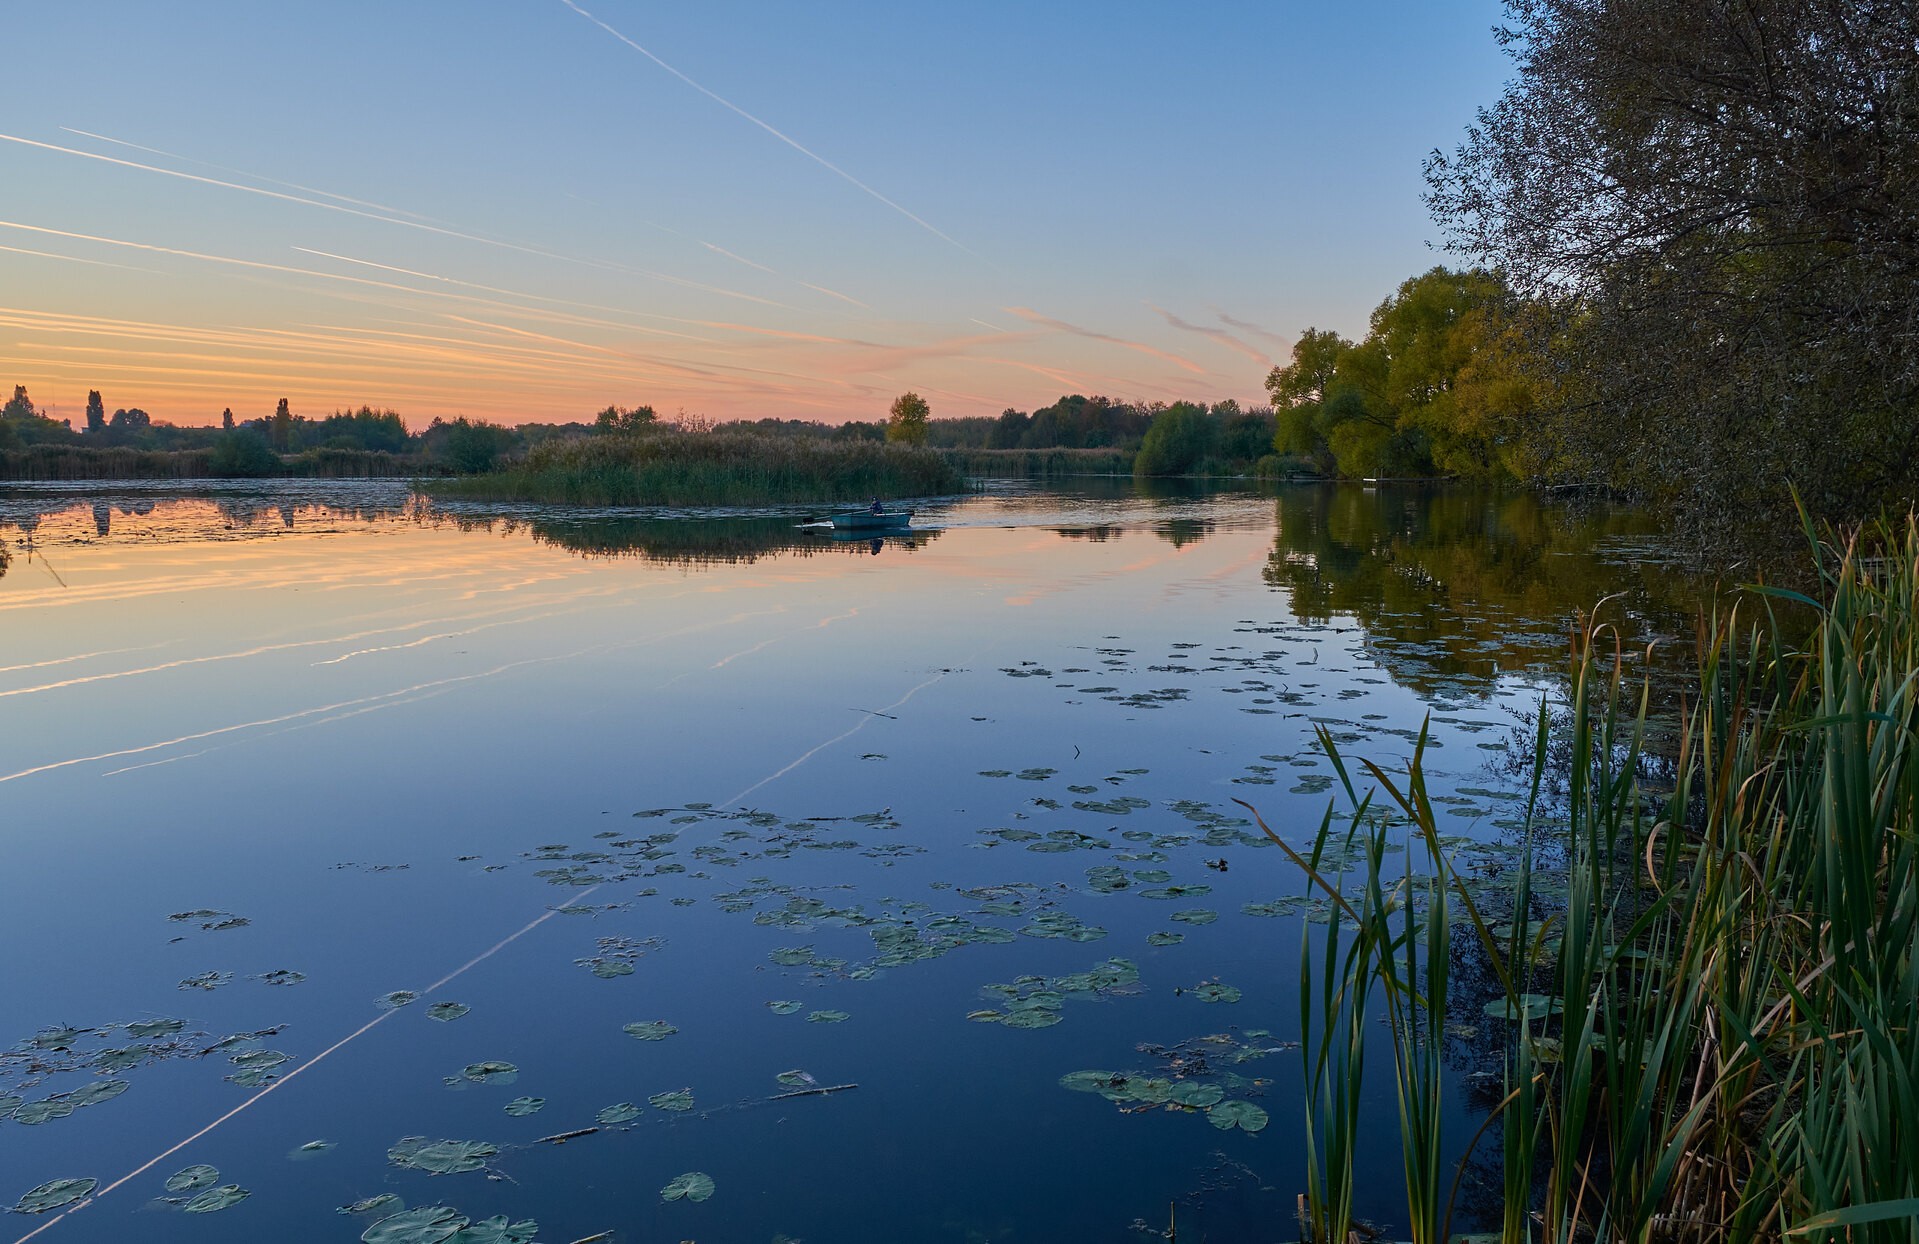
(665, 466)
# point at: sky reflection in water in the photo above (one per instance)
(400, 743)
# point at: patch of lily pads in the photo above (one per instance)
(653, 1029)
(54, 1194)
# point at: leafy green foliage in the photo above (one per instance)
(906, 419)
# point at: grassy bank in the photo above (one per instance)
(1039, 463)
(1707, 1017)
(714, 468)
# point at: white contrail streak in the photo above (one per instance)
(734, 108)
(838, 738)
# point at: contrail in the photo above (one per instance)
(734, 108)
(838, 738)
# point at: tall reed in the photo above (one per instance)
(1712, 1032)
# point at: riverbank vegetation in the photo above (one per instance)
(672, 467)
(1706, 1010)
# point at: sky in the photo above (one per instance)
(527, 210)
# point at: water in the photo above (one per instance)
(581, 770)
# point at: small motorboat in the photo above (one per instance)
(871, 520)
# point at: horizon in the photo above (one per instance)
(740, 212)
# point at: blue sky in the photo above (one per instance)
(505, 210)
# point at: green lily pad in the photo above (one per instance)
(1032, 1019)
(1086, 1081)
(447, 1012)
(520, 1107)
(784, 1006)
(1532, 1006)
(213, 1200)
(147, 1029)
(193, 1178)
(260, 1058)
(692, 1186)
(381, 1203)
(1193, 1093)
(35, 1113)
(397, 999)
(1196, 915)
(283, 976)
(795, 1079)
(1165, 939)
(98, 1091)
(1150, 1089)
(491, 1072)
(432, 1224)
(55, 1193)
(441, 1157)
(828, 1017)
(1213, 991)
(792, 956)
(678, 1100)
(624, 1112)
(312, 1149)
(118, 1060)
(651, 1030)
(496, 1230)
(607, 969)
(1243, 1115)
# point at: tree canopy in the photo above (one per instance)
(1714, 205)
(906, 419)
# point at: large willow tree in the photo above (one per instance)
(1719, 201)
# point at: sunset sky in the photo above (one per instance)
(529, 210)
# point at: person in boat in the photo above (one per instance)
(875, 508)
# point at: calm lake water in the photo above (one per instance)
(673, 804)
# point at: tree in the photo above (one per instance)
(281, 429)
(473, 447)
(96, 412)
(1180, 439)
(906, 419)
(242, 453)
(621, 420)
(21, 407)
(1718, 202)
(128, 421)
(226, 418)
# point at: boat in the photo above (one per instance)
(867, 520)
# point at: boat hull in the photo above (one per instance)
(866, 520)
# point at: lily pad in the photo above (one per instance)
(283, 976)
(496, 1230)
(1086, 1081)
(1213, 991)
(1531, 1006)
(828, 1017)
(397, 999)
(381, 1203)
(650, 1030)
(147, 1029)
(491, 1072)
(312, 1149)
(213, 1200)
(796, 1079)
(692, 1186)
(193, 1178)
(1031, 1019)
(35, 1113)
(785, 1006)
(1165, 939)
(607, 969)
(432, 1224)
(447, 1012)
(1196, 915)
(1193, 1093)
(1243, 1115)
(55, 1193)
(98, 1091)
(520, 1107)
(624, 1112)
(678, 1100)
(441, 1157)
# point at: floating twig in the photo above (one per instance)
(813, 1092)
(560, 1138)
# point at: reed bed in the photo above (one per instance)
(709, 468)
(1711, 1026)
